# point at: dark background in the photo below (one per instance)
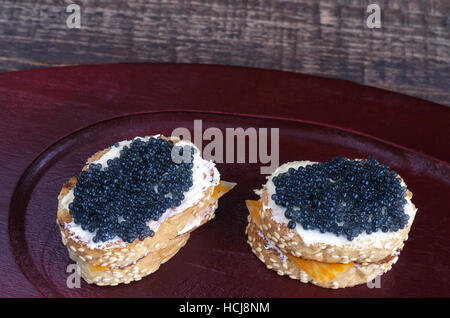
(408, 54)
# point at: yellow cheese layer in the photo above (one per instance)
(222, 188)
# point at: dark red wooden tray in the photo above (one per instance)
(217, 260)
(45, 115)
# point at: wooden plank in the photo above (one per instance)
(409, 53)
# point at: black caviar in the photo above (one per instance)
(344, 197)
(134, 188)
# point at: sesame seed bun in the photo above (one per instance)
(133, 271)
(323, 259)
(107, 257)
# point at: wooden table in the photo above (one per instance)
(408, 54)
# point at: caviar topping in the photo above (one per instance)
(341, 196)
(134, 188)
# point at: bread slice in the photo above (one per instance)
(323, 259)
(327, 247)
(274, 258)
(132, 271)
(104, 257)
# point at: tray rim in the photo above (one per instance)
(224, 66)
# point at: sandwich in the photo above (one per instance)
(134, 205)
(334, 224)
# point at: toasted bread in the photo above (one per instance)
(115, 256)
(135, 270)
(313, 245)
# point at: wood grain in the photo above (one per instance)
(409, 53)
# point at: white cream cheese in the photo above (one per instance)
(310, 237)
(204, 175)
(190, 226)
(114, 152)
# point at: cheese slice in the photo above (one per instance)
(253, 208)
(97, 268)
(322, 272)
(222, 188)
